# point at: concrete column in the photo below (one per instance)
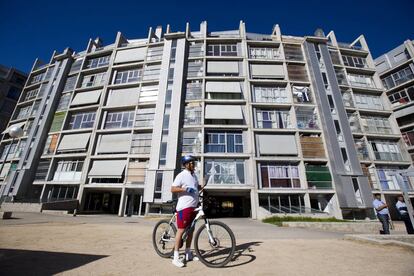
(254, 203)
(121, 211)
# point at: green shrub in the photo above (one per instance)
(276, 220)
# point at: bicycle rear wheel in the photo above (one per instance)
(219, 252)
(163, 238)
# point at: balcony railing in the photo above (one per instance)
(388, 156)
(408, 137)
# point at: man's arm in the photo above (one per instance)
(379, 208)
(176, 189)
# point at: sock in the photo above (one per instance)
(176, 255)
(187, 251)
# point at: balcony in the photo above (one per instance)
(306, 119)
(408, 137)
(318, 177)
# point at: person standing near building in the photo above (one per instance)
(382, 213)
(402, 209)
(187, 187)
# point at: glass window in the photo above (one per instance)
(194, 90)
(224, 172)
(94, 80)
(82, 120)
(120, 119)
(267, 94)
(279, 176)
(141, 143)
(195, 68)
(68, 170)
(98, 62)
(272, 119)
(145, 117)
(222, 50)
(224, 142)
(128, 76)
(264, 53)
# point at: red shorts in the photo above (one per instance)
(185, 217)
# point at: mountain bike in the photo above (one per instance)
(214, 241)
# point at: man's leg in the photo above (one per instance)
(408, 224)
(385, 225)
(176, 261)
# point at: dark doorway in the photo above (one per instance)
(102, 202)
(228, 206)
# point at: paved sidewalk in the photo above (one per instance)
(40, 244)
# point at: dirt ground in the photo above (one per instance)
(70, 246)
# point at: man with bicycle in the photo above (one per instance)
(186, 186)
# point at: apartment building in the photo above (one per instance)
(280, 124)
(11, 84)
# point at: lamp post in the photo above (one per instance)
(399, 175)
(14, 132)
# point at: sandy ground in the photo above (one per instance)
(72, 246)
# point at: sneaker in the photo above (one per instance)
(190, 257)
(177, 263)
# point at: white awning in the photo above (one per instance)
(128, 55)
(90, 97)
(107, 169)
(223, 87)
(114, 143)
(277, 144)
(404, 112)
(231, 112)
(74, 142)
(273, 71)
(223, 67)
(15, 125)
(119, 97)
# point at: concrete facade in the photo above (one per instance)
(276, 121)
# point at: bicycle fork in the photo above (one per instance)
(210, 234)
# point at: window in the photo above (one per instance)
(403, 75)
(192, 114)
(357, 190)
(386, 151)
(31, 94)
(158, 185)
(279, 176)
(127, 76)
(353, 61)
(191, 142)
(373, 124)
(68, 170)
(51, 144)
(264, 53)
(224, 142)
(35, 108)
(154, 53)
(12, 151)
(42, 170)
(306, 119)
(37, 78)
(57, 121)
(224, 172)
(354, 122)
(141, 143)
(318, 177)
(151, 72)
(98, 62)
(361, 149)
(60, 192)
(82, 120)
(272, 119)
(335, 57)
(297, 72)
(222, 50)
(196, 49)
(195, 68)
(94, 80)
(368, 101)
(76, 65)
(293, 52)
(70, 83)
(64, 102)
(390, 182)
(148, 94)
(23, 112)
(145, 117)
(267, 94)
(194, 90)
(120, 119)
(361, 81)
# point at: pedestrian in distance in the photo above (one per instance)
(404, 215)
(382, 214)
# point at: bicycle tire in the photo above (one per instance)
(156, 238)
(227, 252)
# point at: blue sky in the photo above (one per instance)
(31, 29)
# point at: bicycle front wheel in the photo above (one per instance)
(163, 238)
(218, 251)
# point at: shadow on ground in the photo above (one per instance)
(243, 254)
(27, 262)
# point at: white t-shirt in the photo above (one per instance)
(186, 180)
(401, 204)
(378, 203)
